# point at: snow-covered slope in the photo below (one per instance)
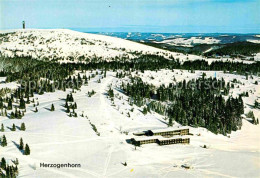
(56, 138)
(68, 44)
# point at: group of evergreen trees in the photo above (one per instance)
(31, 74)
(26, 149)
(71, 105)
(8, 171)
(69, 98)
(46, 76)
(6, 104)
(196, 102)
(22, 128)
(236, 49)
(251, 115)
(43, 76)
(17, 114)
(91, 93)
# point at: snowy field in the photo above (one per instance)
(54, 137)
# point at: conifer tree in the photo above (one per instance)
(19, 115)
(9, 106)
(68, 110)
(13, 128)
(36, 110)
(2, 128)
(71, 98)
(3, 141)
(27, 150)
(21, 146)
(110, 93)
(105, 74)
(52, 107)
(3, 163)
(28, 100)
(23, 128)
(1, 103)
(256, 105)
(22, 104)
(16, 162)
(170, 122)
(66, 104)
(15, 113)
(144, 110)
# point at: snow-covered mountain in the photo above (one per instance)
(70, 45)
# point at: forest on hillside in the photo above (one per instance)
(197, 106)
(237, 49)
(195, 103)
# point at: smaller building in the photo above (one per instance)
(143, 140)
(170, 141)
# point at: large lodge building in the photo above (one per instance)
(164, 133)
(162, 137)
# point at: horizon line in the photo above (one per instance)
(95, 31)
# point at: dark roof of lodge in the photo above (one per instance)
(161, 130)
(168, 130)
(139, 133)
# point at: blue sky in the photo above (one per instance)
(169, 16)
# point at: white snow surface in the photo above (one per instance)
(189, 42)
(54, 137)
(257, 57)
(254, 41)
